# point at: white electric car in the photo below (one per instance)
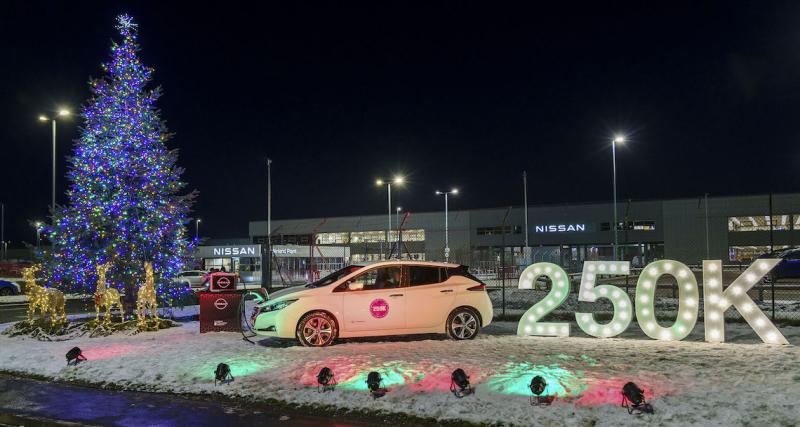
(381, 298)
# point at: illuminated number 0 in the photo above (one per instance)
(559, 291)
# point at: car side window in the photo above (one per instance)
(793, 255)
(379, 278)
(418, 275)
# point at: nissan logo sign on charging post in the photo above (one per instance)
(221, 282)
(221, 304)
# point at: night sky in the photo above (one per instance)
(447, 93)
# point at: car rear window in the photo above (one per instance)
(418, 275)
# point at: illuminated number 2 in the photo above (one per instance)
(559, 291)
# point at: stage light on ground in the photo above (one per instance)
(633, 399)
(459, 383)
(222, 374)
(75, 355)
(325, 380)
(538, 387)
(375, 385)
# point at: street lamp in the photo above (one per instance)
(618, 139)
(446, 228)
(398, 180)
(397, 216)
(197, 229)
(38, 225)
(42, 118)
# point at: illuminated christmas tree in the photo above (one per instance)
(125, 205)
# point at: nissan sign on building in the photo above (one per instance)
(242, 251)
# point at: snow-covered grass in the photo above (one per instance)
(689, 382)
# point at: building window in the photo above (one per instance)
(496, 231)
(367, 236)
(333, 238)
(762, 222)
(642, 225)
(409, 235)
(749, 253)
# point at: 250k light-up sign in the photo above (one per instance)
(716, 300)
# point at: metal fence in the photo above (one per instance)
(779, 300)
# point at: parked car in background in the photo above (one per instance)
(788, 268)
(195, 278)
(8, 288)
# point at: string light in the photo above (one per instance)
(46, 300)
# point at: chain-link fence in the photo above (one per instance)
(778, 300)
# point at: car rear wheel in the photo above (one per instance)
(317, 329)
(463, 324)
(6, 291)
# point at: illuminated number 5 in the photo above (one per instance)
(589, 292)
(559, 291)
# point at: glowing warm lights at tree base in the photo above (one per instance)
(125, 202)
(716, 301)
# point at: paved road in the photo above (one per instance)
(12, 312)
(31, 402)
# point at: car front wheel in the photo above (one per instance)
(463, 324)
(317, 329)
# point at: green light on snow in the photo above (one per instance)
(515, 378)
(393, 373)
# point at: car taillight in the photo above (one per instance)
(479, 288)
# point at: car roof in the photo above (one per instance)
(407, 262)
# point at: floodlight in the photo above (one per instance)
(75, 355)
(325, 380)
(222, 374)
(538, 386)
(633, 399)
(374, 381)
(459, 383)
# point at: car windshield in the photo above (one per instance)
(336, 275)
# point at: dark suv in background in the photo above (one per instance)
(788, 268)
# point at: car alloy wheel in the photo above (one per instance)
(463, 325)
(317, 330)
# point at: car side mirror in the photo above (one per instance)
(355, 286)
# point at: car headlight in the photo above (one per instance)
(275, 306)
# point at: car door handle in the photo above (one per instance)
(446, 290)
(396, 295)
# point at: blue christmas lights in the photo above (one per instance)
(125, 205)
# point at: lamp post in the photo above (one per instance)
(197, 229)
(398, 180)
(618, 139)
(38, 226)
(446, 226)
(397, 216)
(61, 113)
(399, 233)
(267, 269)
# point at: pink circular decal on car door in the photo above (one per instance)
(379, 308)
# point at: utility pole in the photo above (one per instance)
(525, 198)
(268, 268)
(3, 230)
(503, 259)
(708, 247)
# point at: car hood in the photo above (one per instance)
(294, 291)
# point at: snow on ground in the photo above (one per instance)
(689, 382)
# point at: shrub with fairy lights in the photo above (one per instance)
(125, 202)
